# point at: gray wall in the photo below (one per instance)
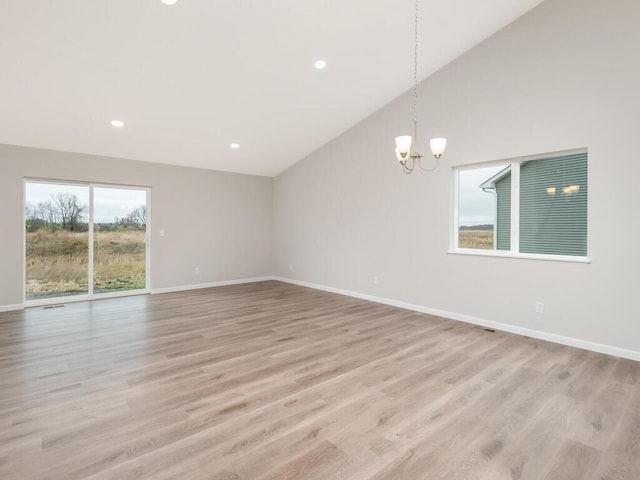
(564, 76)
(219, 222)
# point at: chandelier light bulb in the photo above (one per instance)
(403, 147)
(438, 146)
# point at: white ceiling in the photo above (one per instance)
(188, 80)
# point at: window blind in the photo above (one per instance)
(553, 205)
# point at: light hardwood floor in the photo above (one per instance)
(273, 381)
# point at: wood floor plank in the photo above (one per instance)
(574, 461)
(270, 380)
(622, 456)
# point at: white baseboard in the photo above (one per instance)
(11, 308)
(505, 327)
(183, 288)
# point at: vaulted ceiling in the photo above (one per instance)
(190, 79)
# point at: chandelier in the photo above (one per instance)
(407, 156)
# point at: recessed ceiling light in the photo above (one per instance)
(169, 2)
(320, 64)
(235, 145)
(117, 123)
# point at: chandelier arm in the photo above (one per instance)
(428, 169)
(406, 169)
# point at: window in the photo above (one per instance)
(529, 207)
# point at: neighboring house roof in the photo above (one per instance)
(491, 182)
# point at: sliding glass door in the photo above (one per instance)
(56, 240)
(119, 239)
(84, 241)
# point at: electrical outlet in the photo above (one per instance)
(539, 307)
(376, 280)
(196, 270)
(162, 232)
(291, 267)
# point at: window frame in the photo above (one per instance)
(514, 251)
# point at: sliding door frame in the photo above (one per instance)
(90, 270)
